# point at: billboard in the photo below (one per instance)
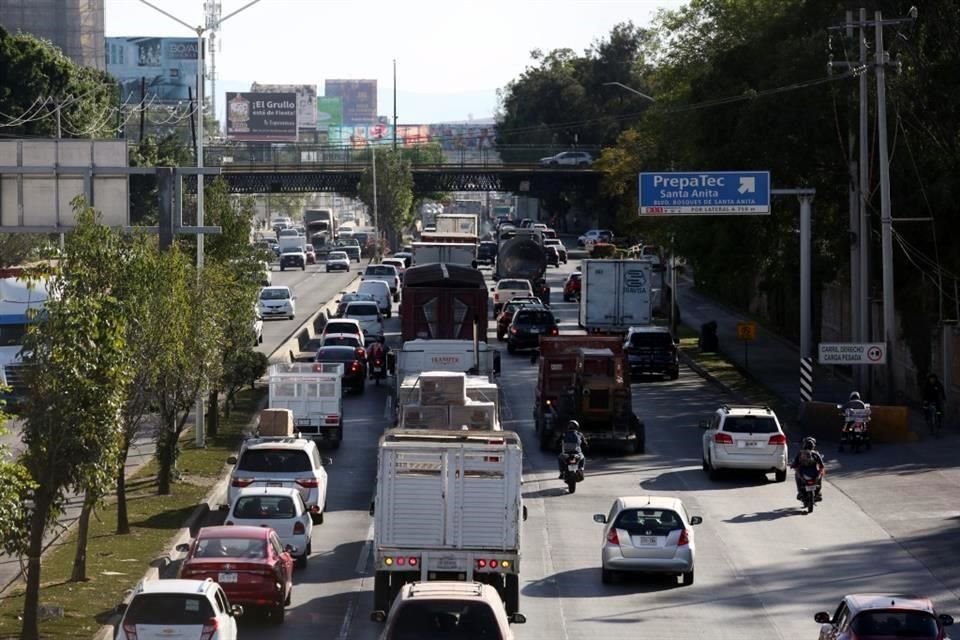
(359, 100)
(262, 117)
(329, 112)
(306, 100)
(166, 67)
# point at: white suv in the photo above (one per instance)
(385, 272)
(473, 609)
(163, 609)
(282, 462)
(744, 437)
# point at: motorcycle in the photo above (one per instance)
(856, 428)
(573, 471)
(810, 488)
(377, 370)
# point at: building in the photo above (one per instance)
(76, 26)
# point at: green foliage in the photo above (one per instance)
(290, 205)
(394, 191)
(15, 248)
(243, 367)
(15, 487)
(168, 151)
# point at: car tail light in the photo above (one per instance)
(334, 419)
(355, 366)
(242, 482)
(684, 538)
(723, 438)
(555, 332)
(496, 297)
(777, 439)
(361, 353)
(513, 330)
(612, 537)
(299, 529)
(413, 561)
(209, 628)
(308, 483)
(481, 564)
(131, 631)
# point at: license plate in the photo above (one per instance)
(447, 562)
(572, 467)
(749, 443)
(534, 330)
(377, 369)
(811, 487)
(274, 484)
(227, 578)
(648, 540)
(303, 422)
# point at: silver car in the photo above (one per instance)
(647, 534)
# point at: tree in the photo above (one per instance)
(15, 489)
(394, 192)
(76, 378)
(167, 151)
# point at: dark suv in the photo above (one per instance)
(651, 350)
(486, 252)
(528, 324)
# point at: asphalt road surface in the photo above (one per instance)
(763, 567)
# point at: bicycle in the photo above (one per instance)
(933, 415)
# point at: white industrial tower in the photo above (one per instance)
(211, 11)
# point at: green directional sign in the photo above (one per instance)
(329, 112)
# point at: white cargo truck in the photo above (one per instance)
(448, 506)
(447, 252)
(615, 295)
(314, 393)
(458, 223)
(465, 356)
(448, 400)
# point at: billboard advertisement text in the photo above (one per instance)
(306, 98)
(359, 100)
(163, 67)
(262, 117)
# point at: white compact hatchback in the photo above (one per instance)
(164, 609)
(369, 317)
(748, 438)
(277, 301)
(281, 509)
(647, 534)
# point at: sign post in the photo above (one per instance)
(746, 333)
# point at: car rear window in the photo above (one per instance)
(342, 341)
(362, 310)
(445, 619)
(225, 547)
(336, 355)
(895, 624)
(340, 327)
(168, 609)
(651, 340)
(514, 285)
(749, 424)
(659, 522)
(265, 507)
(381, 270)
(337, 255)
(534, 317)
(275, 461)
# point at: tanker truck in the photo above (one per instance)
(521, 255)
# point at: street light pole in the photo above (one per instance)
(376, 217)
(630, 89)
(394, 104)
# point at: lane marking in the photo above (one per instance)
(365, 552)
(359, 569)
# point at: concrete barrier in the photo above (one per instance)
(294, 344)
(888, 424)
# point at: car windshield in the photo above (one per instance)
(364, 310)
(381, 270)
(514, 285)
(265, 507)
(750, 424)
(274, 294)
(336, 355)
(453, 619)
(342, 341)
(217, 547)
(534, 317)
(648, 522)
(336, 255)
(275, 461)
(895, 624)
(168, 609)
(652, 339)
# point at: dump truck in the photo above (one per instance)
(585, 378)
(443, 301)
(520, 255)
(448, 506)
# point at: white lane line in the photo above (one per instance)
(348, 617)
(547, 554)
(365, 552)
(359, 570)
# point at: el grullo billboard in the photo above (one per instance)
(262, 117)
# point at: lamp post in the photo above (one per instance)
(199, 30)
(630, 89)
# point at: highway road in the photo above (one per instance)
(763, 566)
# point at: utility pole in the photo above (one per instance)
(394, 104)
(864, 378)
(376, 217)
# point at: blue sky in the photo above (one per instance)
(452, 56)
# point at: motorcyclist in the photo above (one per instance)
(806, 463)
(933, 392)
(571, 443)
(377, 351)
(854, 402)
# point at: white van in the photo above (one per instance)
(368, 315)
(380, 291)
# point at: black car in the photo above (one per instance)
(528, 324)
(487, 252)
(293, 258)
(354, 364)
(652, 350)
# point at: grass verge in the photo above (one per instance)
(115, 563)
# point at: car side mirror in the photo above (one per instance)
(236, 610)
(121, 608)
(292, 550)
(372, 504)
(822, 617)
(378, 616)
(183, 547)
(696, 519)
(704, 424)
(232, 460)
(326, 461)
(517, 618)
(600, 518)
(524, 513)
(945, 620)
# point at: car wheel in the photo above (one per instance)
(780, 476)
(389, 313)
(606, 576)
(292, 316)
(303, 267)
(674, 375)
(361, 388)
(510, 348)
(712, 472)
(704, 465)
(301, 561)
(316, 518)
(688, 578)
(282, 268)
(500, 336)
(277, 614)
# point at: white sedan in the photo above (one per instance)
(282, 509)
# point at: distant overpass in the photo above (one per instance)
(305, 168)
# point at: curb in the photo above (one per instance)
(210, 502)
(706, 375)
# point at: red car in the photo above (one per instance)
(571, 288)
(249, 563)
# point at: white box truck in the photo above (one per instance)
(448, 506)
(314, 393)
(615, 295)
(448, 252)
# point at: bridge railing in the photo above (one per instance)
(305, 154)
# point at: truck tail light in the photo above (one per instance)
(334, 419)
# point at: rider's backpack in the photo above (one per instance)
(571, 441)
(806, 458)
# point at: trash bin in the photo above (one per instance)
(708, 343)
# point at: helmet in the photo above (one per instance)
(809, 444)
(573, 425)
(855, 396)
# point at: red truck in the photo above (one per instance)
(443, 301)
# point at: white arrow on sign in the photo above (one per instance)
(747, 184)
